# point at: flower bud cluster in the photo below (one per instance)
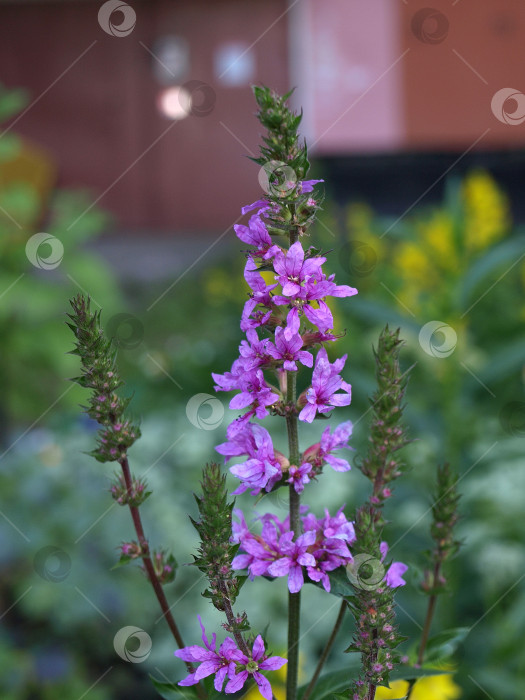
(136, 495)
(444, 519)
(164, 565)
(216, 552)
(99, 374)
(376, 636)
(387, 434)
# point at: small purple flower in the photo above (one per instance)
(321, 452)
(254, 352)
(255, 393)
(257, 235)
(395, 571)
(230, 381)
(262, 204)
(321, 317)
(306, 186)
(221, 663)
(321, 396)
(292, 269)
(295, 557)
(258, 662)
(299, 476)
(288, 344)
(260, 296)
(263, 469)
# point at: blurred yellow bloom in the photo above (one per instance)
(413, 262)
(427, 688)
(487, 216)
(438, 234)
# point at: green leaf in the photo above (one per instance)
(504, 362)
(339, 583)
(503, 254)
(171, 691)
(407, 673)
(334, 682)
(443, 645)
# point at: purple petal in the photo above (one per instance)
(294, 259)
(337, 463)
(394, 574)
(241, 561)
(265, 688)
(189, 680)
(308, 413)
(241, 401)
(258, 648)
(237, 682)
(306, 358)
(306, 559)
(219, 678)
(295, 579)
(273, 663)
(207, 668)
(280, 567)
(261, 203)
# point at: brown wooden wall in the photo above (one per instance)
(449, 85)
(100, 114)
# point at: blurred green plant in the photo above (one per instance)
(32, 288)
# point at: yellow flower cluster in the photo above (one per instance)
(487, 217)
(427, 688)
(444, 242)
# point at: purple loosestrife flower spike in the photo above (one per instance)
(278, 344)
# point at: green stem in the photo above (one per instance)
(426, 627)
(228, 610)
(294, 599)
(326, 651)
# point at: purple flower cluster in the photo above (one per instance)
(283, 322)
(321, 548)
(266, 466)
(229, 661)
(308, 322)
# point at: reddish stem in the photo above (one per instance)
(150, 569)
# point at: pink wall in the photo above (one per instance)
(343, 56)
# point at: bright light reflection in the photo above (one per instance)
(174, 102)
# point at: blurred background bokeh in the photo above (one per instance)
(124, 131)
